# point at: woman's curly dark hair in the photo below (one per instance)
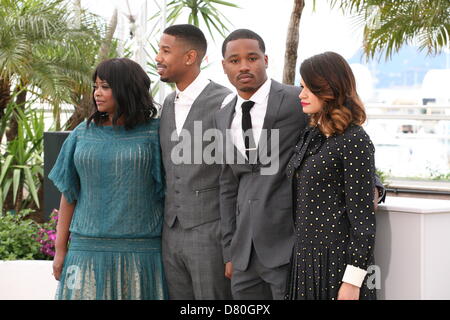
(330, 78)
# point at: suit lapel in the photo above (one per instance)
(196, 108)
(273, 106)
(226, 115)
(168, 114)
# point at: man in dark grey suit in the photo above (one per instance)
(255, 196)
(256, 206)
(191, 248)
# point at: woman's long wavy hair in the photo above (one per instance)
(330, 78)
(131, 91)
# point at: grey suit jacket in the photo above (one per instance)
(257, 208)
(192, 186)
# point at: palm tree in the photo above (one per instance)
(290, 55)
(389, 24)
(41, 52)
(201, 10)
(96, 52)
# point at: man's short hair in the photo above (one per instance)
(192, 35)
(243, 34)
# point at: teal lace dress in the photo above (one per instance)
(115, 177)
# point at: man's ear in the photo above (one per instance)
(266, 60)
(191, 57)
(223, 66)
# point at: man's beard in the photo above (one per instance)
(247, 89)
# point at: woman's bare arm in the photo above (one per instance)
(66, 210)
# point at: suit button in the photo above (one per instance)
(176, 191)
(178, 178)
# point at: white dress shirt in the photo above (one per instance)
(257, 113)
(184, 100)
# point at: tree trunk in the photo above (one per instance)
(84, 108)
(290, 56)
(5, 96)
(21, 98)
(105, 48)
(82, 111)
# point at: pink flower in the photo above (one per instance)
(46, 235)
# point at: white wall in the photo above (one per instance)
(27, 280)
(413, 248)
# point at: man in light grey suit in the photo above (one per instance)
(191, 248)
(256, 207)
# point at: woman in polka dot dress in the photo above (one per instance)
(332, 171)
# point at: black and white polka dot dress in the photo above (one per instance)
(333, 183)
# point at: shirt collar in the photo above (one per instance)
(193, 90)
(259, 96)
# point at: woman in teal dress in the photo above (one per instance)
(110, 175)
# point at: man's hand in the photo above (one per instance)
(228, 270)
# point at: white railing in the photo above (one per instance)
(410, 140)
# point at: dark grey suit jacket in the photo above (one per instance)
(192, 192)
(257, 208)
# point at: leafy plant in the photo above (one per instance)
(389, 24)
(46, 49)
(21, 172)
(383, 176)
(201, 9)
(438, 175)
(18, 237)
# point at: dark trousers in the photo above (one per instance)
(259, 282)
(193, 262)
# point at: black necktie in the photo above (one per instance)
(247, 130)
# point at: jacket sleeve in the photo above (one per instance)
(359, 171)
(229, 185)
(228, 200)
(380, 188)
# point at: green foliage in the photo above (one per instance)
(382, 175)
(22, 164)
(48, 50)
(205, 10)
(18, 237)
(389, 24)
(438, 176)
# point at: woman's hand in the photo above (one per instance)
(66, 210)
(58, 262)
(228, 270)
(348, 291)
